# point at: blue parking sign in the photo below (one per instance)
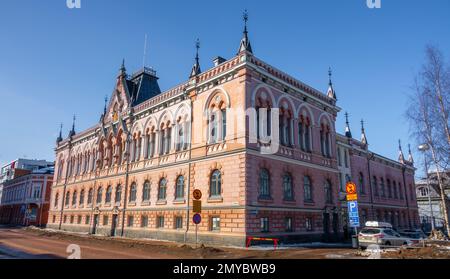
(353, 214)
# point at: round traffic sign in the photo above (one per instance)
(351, 188)
(197, 218)
(197, 194)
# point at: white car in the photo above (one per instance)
(381, 234)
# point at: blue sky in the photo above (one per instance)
(56, 61)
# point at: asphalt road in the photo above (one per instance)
(38, 244)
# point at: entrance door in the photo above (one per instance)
(114, 225)
(94, 225)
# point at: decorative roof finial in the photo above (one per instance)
(363, 133)
(123, 70)
(401, 157)
(196, 68)
(245, 42)
(59, 139)
(330, 93)
(72, 132)
(348, 133)
(106, 102)
(330, 73)
(410, 156)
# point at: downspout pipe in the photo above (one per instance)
(406, 196)
(65, 184)
(128, 142)
(189, 178)
(369, 158)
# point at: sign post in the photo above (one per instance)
(197, 208)
(353, 213)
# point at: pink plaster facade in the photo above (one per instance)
(138, 145)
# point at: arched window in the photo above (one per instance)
(133, 190)
(394, 185)
(99, 195)
(325, 140)
(56, 201)
(215, 183)
(74, 198)
(285, 127)
(118, 196)
(162, 189)
(382, 189)
(224, 123)
(179, 190)
(389, 188)
(90, 195)
(108, 194)
(67, 199)
(328, 192)
(82, 197)
(146, 192)
(375, 186)
(361, 183)
(287, 187)
(307, 188)
(264, 184)
(212, 128)
(180, 141)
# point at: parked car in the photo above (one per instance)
(381, 234)
(413, 234)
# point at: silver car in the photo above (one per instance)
(384, 237)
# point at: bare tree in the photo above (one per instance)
(428, 113)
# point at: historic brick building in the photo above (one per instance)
(133, 173)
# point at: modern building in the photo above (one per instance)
(26, 197)
(260, 145)
(20, 166)
(429, 200)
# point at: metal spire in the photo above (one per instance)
(410, 156)
(123, 70)
(348, 133)
(363, 133)
(330, 93)
(401, 157)
(59, 139)
(330, 73)
(106, 101)
(72, 132)
(245, 42)
(196, 68)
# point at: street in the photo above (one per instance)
(36, 244)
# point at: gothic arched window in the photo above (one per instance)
(215, 183)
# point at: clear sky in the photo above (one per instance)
(56, 62)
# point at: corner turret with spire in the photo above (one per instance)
(245, 44)
(330, 92)
(196, 70)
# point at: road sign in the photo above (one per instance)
(197, 194)
(353, 214)
(352, 197)
(197, 219)
(197, 206)
(350, 187)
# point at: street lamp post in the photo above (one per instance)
(424, 148)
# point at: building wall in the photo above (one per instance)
(115, 154)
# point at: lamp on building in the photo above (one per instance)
(424, 148)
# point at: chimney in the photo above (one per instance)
(218, 60)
